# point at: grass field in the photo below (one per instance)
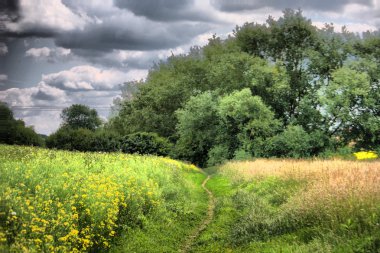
(56, 201)
(295, 206)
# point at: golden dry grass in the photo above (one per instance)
(329, 184)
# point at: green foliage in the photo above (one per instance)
(14, 131)
(80, 116)
(83, 139)
(260, 82)
(167, 87)
(269, 214)
(145, 143)
(226, 72)
(215, 127)
(271, 82)
(241, 155)
(247, 114)
(89, 202)
(217, 155)
(198, 128)
(293, 142)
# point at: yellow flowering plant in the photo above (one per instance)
(58, 201)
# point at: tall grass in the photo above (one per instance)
(327, 200)
(57, 201)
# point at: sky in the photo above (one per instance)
(54, 53)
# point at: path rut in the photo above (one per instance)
(210, 215)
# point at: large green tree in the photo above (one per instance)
(265, 86)
(222, 125)
(80, 116)
(14, 131)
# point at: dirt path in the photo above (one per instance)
(210, 215)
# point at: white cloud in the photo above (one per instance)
(38, 52)
(89, 78)
(41, 94)
(44, 122)
(46, 17)
(3, 48)
(49, 54)
(3, 78)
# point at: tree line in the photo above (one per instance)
(281, 89)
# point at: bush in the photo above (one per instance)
(145, 143)
(14, 131)
(217, 155)
(293, 142)
(241, 155)
(83, 139)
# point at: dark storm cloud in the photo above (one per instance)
(118, 59)
(323, 5)
(123, 34)
(164, 10)
(9, 10)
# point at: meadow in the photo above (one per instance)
(295, 206)
(58, 201)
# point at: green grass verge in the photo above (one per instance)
(251, 216)
(167, 229)
(58, 201)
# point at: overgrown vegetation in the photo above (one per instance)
(280, 89)
(14, 131)
(59, 201)
(295, 206)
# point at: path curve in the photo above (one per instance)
(210, 215)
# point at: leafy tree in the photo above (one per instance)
(145, 143)
(214, 128)
(226, 72)
(80, 116)
(293, 142)
(272, 83)
(260, 92)
(253, 38)
(167, 87)
(14, 131)
(344, 101)
(83, 139)
(198, 128)
(245, 118)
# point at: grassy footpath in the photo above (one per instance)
(58, 201)
(166, 231)
(294, 206)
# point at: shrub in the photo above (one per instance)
(293, 142)
(217, 155)
(241, 155)
(14, 131)
(145, 143)
(59, 201)
(82, 139)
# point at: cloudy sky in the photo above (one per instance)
(54, 53)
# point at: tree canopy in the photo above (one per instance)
(14, 131)
(80, 116)
(284, 88)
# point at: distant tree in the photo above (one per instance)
(198, 128)
(247, 120)
(80, 116)
(82, 139)
(14, 131)
(260, 92)
(213, 128)
(293, 142)
(145, 143)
